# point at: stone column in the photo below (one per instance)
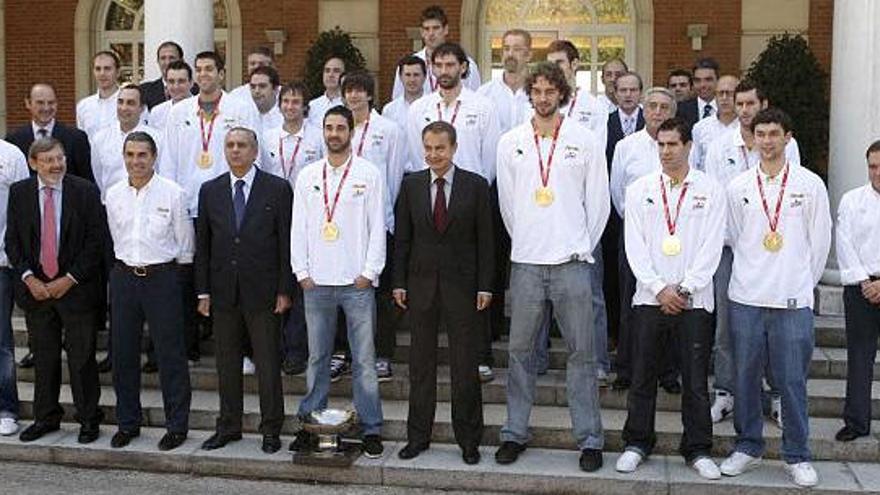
(190, 23)
(855, 105)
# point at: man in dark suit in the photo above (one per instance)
(627, 119)
(705, 78)
(443, 269)
(243, 277)
(154, 91)
(54, 240)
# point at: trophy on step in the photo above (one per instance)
(327, 427)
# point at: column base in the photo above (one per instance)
(828, 300)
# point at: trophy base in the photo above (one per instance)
(343, 456)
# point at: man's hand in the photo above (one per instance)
(37, 288)
(483, 301)
(363, 282)
(871, 291)
(205, 306)
(307, 283)
(671, 302)
(282, 303)
(399, 298)
(58, 287)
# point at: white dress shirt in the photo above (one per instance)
(476, 124)
(786, 278)
(269, 120)
(635, 156)
(586, 109)
(151, 225)
(728, 156)
(704, 133)
(319, 106)
(48, 127)
(472, 81)
(700, 227)
(385, 147)
(449, 176)
(605, 102)
(513, 108)
(397, 111)
(13, 168)
(571, 226)
(94, 112)
(248, 179)
(183, 143)
(108, 165)
(159, 115)
(701, 107)
(858, 235)
(359, 216)
(303, 147)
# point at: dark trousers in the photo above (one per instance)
(51, 329)
(695, 335)
(862, 330)
(295, 339)
(611, 274)
(232, 328)
(625, 330)
(493, 320)
(156, 299)
(462, 324)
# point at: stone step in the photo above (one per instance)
(550, 425)
(538, 471)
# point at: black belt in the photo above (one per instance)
(146, 270)
(874, 277)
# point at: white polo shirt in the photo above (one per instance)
(704, 133)
(108, 165)
(635, 156)
(513, 107)
(384, 146)
(472, 81)
(727, 156)
(13, 168)
(858, 235)
(296, 150)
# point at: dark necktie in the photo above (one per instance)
(440, 219)
(43, 133)
(238, 203)
(707, 111)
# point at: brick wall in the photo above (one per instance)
(821, 21)
(298, 17)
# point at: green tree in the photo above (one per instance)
(788, 71)
(333, 43)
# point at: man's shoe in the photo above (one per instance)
(509, 452)
(303, 442)
(722, 407)
(8, 426)
(372, 446)
(620, 383)
(383, 370)
(707, 468)
(591, 460)
(671, 387)
(37, 430)
(193, 356)
(776, 411)
(27, 361)
(847, 434)
(171, 441)
(105, 365)
(628, 461)
(602, 378)
(411, 451)
(486, 373)
(219, 440)
(738, 463)
(802, 474)
(470, 456)
(122, 438)
(271, 444)
(339, 366)
(293, 367)
(247, 366)
(88, 434)
(150, 366)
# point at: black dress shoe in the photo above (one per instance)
(847, 434)
(303, 442)
(150, 367)
(105, 366)
(620, 383)
(271, 444)
(27, 361)
(122, 438)
(219, 440)
(171, 441)
(293, 367)
(37, 430)
(672, 387)
(509, 452)
(411, 451)
(471, 456)
(88, 434)
(591, 460)
(194, 356)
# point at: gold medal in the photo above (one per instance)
(330, 231)
(543, 196)
(205, 160)
(773, 241)
(671, 245)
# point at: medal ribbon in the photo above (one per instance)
(329, 210)
(573, 103)
(672, 223)
(363, 138)
(288, 169)
(774, 222)
(545, 174)
(745, 156)
(454, 113)
(206, 141)
(432, 81)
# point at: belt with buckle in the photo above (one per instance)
(874, 277)
(146, 270)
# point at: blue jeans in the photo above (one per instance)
(8, 386)
(784, 338)
(565, 286)
(359, 306)
(600, 321)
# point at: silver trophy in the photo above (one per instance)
(330, 449)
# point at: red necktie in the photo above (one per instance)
(440, 219)
(48, 244)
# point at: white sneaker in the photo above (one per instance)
(802, 474)
(707, 468)
(486, 374)
(722, 407)
(738, 463)
(247, 366)
(8, 426)
(776, 411)
(602, 378)
(628, 461)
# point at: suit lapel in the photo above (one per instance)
(66, 213)
(226, 201)
(255, 194)
(426, 190)
(35, 214)
(457, 190)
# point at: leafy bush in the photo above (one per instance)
(333, 43)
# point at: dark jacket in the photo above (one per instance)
(615, 133)
(76, 147)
